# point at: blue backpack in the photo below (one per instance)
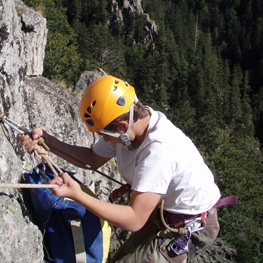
(71, 233)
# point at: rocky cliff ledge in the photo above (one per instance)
(31, 100)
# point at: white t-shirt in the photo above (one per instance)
(167, 163)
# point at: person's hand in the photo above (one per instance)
(30, 141)
(68, 187)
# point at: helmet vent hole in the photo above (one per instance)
(116, 81)
(89, 109)
(86, 115)
(90, 122)
(93, 103)
(121, 101)
(114, 88)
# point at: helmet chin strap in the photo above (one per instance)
(124, 136)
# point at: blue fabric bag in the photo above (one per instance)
(71, 232)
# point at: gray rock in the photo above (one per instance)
(20, 239)
(34, 34)
(32, 100)
(86, 78)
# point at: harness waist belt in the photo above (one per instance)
(178, 220)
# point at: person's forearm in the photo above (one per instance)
(79, 156)
(118, 215)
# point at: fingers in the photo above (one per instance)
(57, 180)
(68, 186)
(30, 141)
(65, 177)
(37, 132)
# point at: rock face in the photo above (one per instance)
(31, 100)
(86, 78)
(124, 11)
(21, 240)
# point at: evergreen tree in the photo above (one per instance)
(247, 118)
(235, 105)
(141, 71)
(258, 112)
(62, 60)
(33, 3)
(238, 169)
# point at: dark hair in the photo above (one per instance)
(139, 112)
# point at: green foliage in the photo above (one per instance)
(238, 169)
(33, 3)
(136, 31)
(62, 60)
(87, 12)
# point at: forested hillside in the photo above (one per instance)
(204, 69)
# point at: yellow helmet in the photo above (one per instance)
(104, 100)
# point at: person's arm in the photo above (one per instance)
(79, 156)
(131, 218)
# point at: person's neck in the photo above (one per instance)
(140, 130)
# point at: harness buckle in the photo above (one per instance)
(180, 244)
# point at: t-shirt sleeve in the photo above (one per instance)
(154, 169)
(105, 149)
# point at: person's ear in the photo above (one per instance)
(124, 125)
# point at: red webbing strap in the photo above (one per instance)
(117, 193)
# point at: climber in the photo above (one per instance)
(161, 164)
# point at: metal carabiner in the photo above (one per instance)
(22, 130)
(14, 125)
(195, 225)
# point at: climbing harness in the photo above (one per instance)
(179, 223)
(185, 225)
(179, 228)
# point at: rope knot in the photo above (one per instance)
(41, 142)
(40, 151)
